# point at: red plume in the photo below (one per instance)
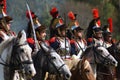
(32, 14)
(5, 7)
(99, 23)
(95, 13)
(3, 2)
(71, 15)
(110, 24)
(54, 12)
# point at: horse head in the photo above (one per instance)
(52, 62)
(103, 56)
(21, 58)
(99, 55)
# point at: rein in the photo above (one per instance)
(21, 62)
(49, 58)
(96, 55)
(49, 61)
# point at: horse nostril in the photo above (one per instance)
(67, 76)
(113, 62)
(30, 72)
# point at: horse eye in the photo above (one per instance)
(53, 58)
(87, 71)
(22, 50)
(100, 51)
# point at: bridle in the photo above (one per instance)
(49, 59)
(15, 62)
(97, 54)
(105, 61)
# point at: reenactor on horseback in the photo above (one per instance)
(5, 24)
(97, 37)
(78, 43)
(35, 21)
(60, 42)
(94, 31)
(41, 34)
(94, 22)
(55, 19)
(107, 34)
(30, 35)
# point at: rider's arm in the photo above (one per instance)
(54, 43)
(73, 47)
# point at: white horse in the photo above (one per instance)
(15, 58)
(47, 60)
(99, 54)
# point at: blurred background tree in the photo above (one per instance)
(83, 8)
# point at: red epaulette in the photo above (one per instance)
(30, 40)
(72, 41)
(114, 41)
(52, 40)
(89, 40)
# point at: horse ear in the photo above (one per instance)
(21, 38)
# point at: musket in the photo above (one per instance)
(65, 35)
(37, 46)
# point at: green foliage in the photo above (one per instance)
(107, 11)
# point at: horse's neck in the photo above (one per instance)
(90, 56)
(71, 63)
(5, 57)
(39, 61)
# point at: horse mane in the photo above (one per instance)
(5, 44)
(88, 50)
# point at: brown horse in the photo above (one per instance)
(83, 71)
(80, 69)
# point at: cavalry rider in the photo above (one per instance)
(108, 73)
(41, 36)
(94, 22)
(55, 19)
(60, 42)
(5, 24)
(97, 38)
(78, 43)
(30, 35)
(73, 21)
(35, 22)
(107, 34)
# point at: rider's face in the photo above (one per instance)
(108, 38)
(42, 35)
(98, 35)
(79, 34)
(63, 33)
